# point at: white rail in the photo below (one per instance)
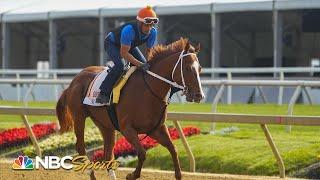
(203, 82)
(35, 81)
(245, 70)
(261, 83)
(303, 85)
(250, 70)
(35, 71)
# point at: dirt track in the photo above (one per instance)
(6, 173)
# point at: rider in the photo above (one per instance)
(122, 42)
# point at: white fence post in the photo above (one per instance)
(280, 96)
(229, 92)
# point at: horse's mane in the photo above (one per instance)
(161, 51)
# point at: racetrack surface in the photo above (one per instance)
(6, 173)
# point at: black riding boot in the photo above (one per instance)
(103, 98)
(106, 88)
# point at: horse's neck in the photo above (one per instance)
(163, 68)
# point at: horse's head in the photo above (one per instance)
(187, 73)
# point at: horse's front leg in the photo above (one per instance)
(132, 137)
(162, 136)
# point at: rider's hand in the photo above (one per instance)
(144, 67)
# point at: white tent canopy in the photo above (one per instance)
(35, 10)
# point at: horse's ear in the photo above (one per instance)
(197, 48)
(187, 47)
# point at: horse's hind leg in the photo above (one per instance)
(79, 131)
(79, 126)
(101, 120)
(109, 139)
(161, 135)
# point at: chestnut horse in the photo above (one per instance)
(142, 105)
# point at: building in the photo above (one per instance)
(233, 33)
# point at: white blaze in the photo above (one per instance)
(196, 66)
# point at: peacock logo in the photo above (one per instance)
(22, 163)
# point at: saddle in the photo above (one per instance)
(94, 90)
(119, 85)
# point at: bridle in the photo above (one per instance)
(173, 83)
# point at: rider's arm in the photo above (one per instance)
(127, 36)
(124, 52)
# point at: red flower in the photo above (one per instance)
(15, 136)
(123, 148)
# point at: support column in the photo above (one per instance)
(215, 40)
(161, 39)
(281, 167)
(102, 31)
(31, 135)
(192, 162)
(161, 31)
(5, 45)
(277, 39)
(53, 44)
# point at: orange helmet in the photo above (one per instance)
(147, 15)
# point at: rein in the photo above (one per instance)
(172, 83)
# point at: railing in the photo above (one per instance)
(32, 82)
(25, 74)
(300, 86)
(229, 71)
(53, 72)
(250, 70)
(263, 120)
(229, 83)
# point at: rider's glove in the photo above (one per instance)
(144, 67)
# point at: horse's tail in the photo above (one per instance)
(63, 113)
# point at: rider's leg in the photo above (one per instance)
(138, 54)
(114, 53)
(106, 87)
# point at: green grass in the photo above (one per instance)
(239, 153)
(12, 121)
(242, 152)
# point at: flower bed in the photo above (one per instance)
(17, 136)
(123, 147)
(65, 143)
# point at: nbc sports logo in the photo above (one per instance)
(49, 162)
(55, 162)
(23, 162)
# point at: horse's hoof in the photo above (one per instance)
(130, 176)
(178, 177)
(92, 176)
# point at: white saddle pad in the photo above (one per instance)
(93, 90)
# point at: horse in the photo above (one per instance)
(142, 108)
